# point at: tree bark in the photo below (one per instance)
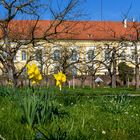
(12, 77)
(136, 67)
(137, 76)
(93, 81)
(127, 81)
(113, 83)
(113, 78)
(83, 78)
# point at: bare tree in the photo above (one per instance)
(83, 73)
(92, 63)
(65, 57)
(131, 41)
(109, 61)
(14, 35)
(10, 45)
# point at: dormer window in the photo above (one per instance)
(90, 35)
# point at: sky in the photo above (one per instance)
(112, 10)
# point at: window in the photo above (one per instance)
(123, 55)
(24, 71)
(132, 54)
(5, 54)
(15, 58)
(39, 55)
(90, 54)
(107, 54)
(56, 55)
(74, 56)
(74, 71)
(24, 55)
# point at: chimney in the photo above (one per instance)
(125, 23)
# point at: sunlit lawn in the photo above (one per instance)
(43, 115)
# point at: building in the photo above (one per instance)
(76, 47)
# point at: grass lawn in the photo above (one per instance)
(103, 91)
(44, 116)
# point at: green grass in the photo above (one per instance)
(98, 91)
(6, 91)
(67, 117)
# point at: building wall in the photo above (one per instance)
(81, 46)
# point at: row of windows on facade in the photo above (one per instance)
(56, 55)
(91, 55)
(122, 54)
(24, 55)
(74, 57)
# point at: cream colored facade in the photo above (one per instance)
(81, 46)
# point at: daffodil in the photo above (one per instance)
(60, 79)
(10, 82)
(34, 73)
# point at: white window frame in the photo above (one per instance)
(56, 57)
(23, 55)
(75, 48)
(88, 49)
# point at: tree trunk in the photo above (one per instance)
(113, 78)
(9, 63)
(136, 67)
(113, 83)
(93, 81)
(82, 81)
(11, 75)
(15, 82)
(137, 77)
(127, 81)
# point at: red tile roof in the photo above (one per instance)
(77, 30)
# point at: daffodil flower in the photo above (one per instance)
(60, 78)
(34, 73)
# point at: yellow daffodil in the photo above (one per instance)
(34, 73)
(10, 82)
(60, 78)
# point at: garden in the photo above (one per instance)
(48, 113)
(62, 113)
(47, 49)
